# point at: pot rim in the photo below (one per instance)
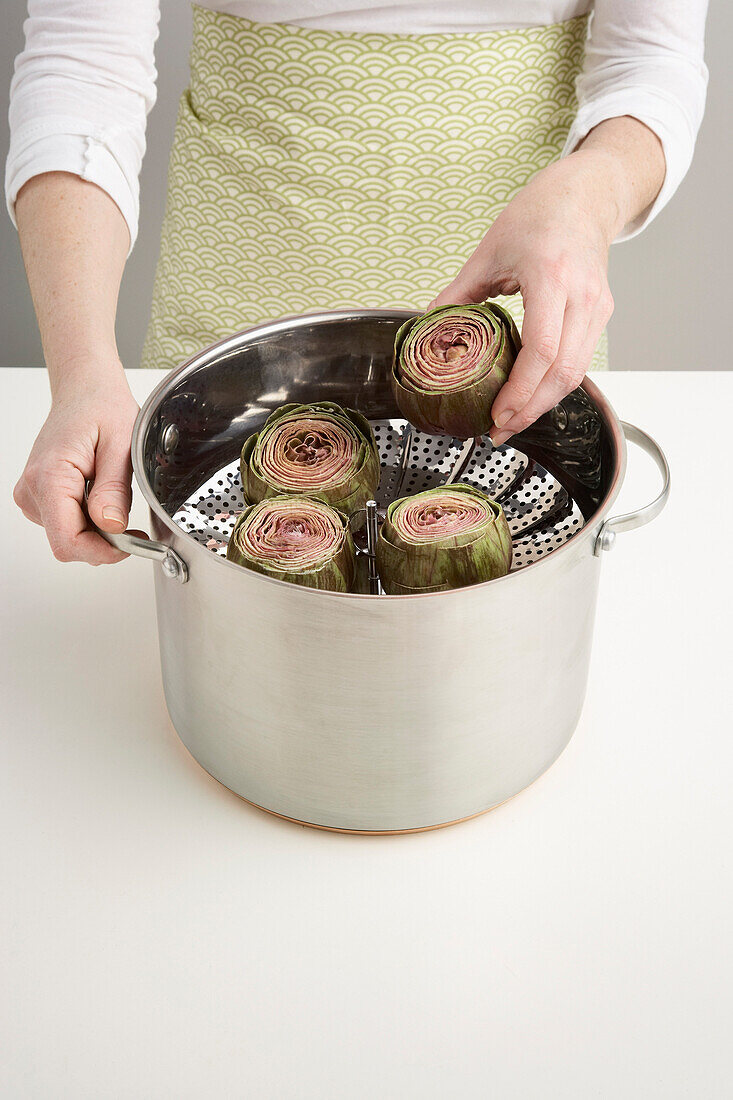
(142, 423)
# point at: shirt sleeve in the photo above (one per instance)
(80, 96)
(644, 58)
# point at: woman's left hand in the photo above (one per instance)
(551, 243)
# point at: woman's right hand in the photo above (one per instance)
(86, 437)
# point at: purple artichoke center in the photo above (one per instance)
(307, 448)
(449, 348)
(288, 531)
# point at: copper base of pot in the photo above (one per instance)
(376, 832)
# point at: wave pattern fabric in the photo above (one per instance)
(320, 170)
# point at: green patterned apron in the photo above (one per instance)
(321, 169)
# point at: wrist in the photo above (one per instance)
(605, 187)
(88, 367)
(626, 162)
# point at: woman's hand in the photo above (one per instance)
(551, 243)
(86, 436)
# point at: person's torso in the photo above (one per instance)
(325, 169)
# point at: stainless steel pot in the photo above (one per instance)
(356, 712)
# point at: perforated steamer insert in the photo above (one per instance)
(540, 512)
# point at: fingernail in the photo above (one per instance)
(504, 418)
(500, 437)
(114, 515)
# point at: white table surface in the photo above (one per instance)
(162, 939)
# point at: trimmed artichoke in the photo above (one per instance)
(295, 539)
(443, 538)
(449, 365)
(319, 450)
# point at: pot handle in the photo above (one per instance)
(607, 535)
(142, 547)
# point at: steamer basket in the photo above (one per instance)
(353, 711)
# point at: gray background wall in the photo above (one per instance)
(672, 284)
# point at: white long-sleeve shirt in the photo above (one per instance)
(85, 82)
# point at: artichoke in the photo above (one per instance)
(443, 538)
(295, 539)
(318, 450)
(449, 365)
